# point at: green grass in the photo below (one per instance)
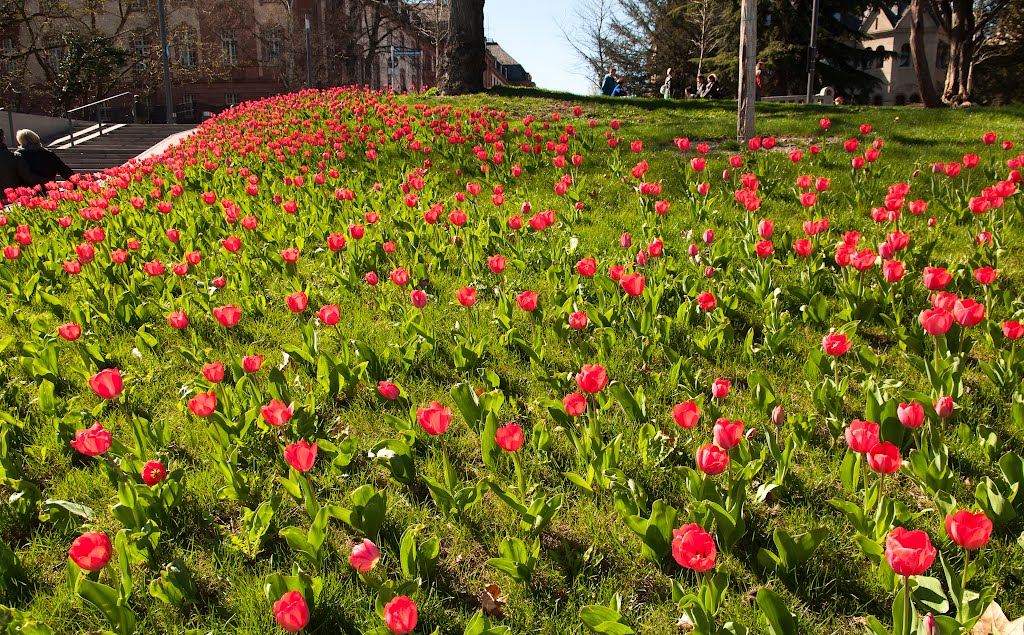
(588, 552)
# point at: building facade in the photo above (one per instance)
(887, 33)
(221, 52)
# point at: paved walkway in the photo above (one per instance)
(166, 143)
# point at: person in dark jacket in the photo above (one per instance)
(44, 163)
(608, 84)
(711, 89)
(14, 170)
(620, 88)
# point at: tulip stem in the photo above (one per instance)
(906, 605)
(520, 476)
(864, 471)
(963, 581)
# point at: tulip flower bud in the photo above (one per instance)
(778, 415)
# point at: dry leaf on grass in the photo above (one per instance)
(492, 602)
(994, 622)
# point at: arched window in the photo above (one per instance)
(905, 55)
(901, 100)
(877, 101)
(880, 57)
(915, 98)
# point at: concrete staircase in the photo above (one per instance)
(94, 152)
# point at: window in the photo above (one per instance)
(942, 55)
(187, 53)
(138, 5)
(272, 46)
(229, 45)
(905, 55)
(9, 65)
(880, 57)
(138, 43)
(55, 53)
(104, 112)
(901, 100)
(231, 99)
(188, 106)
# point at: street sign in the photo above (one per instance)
(406, 53)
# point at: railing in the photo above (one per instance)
(10, 121)
(99, 120)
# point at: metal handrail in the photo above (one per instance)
(97, 103)
(99, 122)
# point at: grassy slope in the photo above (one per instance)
(829, 594)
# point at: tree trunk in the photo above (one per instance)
(929, 96)
(960, 52)
(461, 65)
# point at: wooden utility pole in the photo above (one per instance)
(748, 64)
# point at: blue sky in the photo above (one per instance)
(528, 30)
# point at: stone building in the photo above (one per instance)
(887, 33)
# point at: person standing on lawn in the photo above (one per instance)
(666, 88)
(608, 84)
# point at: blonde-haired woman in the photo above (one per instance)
(45, 164)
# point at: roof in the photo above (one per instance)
(501, 55)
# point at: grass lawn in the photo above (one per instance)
(232, 514)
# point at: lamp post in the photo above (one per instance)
(812, 51)
(165, 55)
(309, 57)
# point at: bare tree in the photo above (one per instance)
(588, 35)
(709, 28)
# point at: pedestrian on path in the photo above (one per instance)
(45, 164)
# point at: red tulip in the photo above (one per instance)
(276, 413)
(720, 388)
(329, 314)
(893, 271)
(418, 298)
(466, 296)
(153, 472)
(252, 363)
(711, 459)
(764, 249)
(944, 406)
(909, 552)
(727, 434)
(227, 315)
(578, 320)
(985, 275)
(335, 242)
(388, 390)
(575, 404)
(936, 278)
(300, 455)
(706, 301)
(91, 551)
(178, 319)
(400, 615)
(632, 283)
(686, 414)
(107, 383)
(803, 247)
(92, 441)
(292, 612)
(884, 458)
(297, 302)
(434, 418)
(203, 404)
(968, 313)
(527, 300)
(835, 344)
(936, 322)
(399, 276)
(586, 267)
(70, 331)
(911, 414)
(592, 378)
(509, 437)
(693, 548)
(861, 436)
(496, 264)
(214, 372)
(12, 252)
(365, 556)
(968, 530)
(1013, 330)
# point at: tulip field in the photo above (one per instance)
(346, 361)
